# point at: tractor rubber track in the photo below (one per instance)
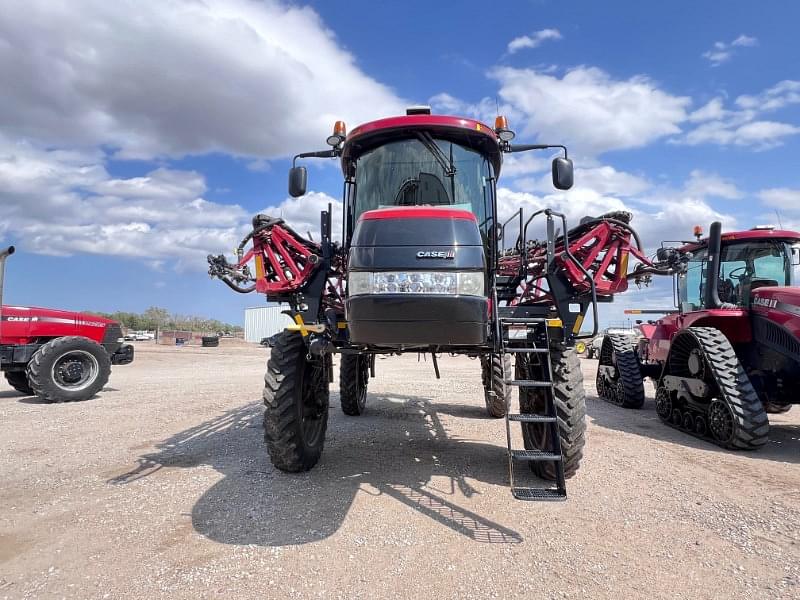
(751, 424)
(495, 369)
(628, 389)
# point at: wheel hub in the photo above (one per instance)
(696, 364)
(75, 370)
(663, 403)
(72, 371)
(720, 421)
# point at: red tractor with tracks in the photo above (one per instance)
(730, 353)
(57, 355)
(422, 268)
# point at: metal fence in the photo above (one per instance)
(264, 321)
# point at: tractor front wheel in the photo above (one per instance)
(353, 381)
(296, 404)
(69, 369)
(19, 381)
(495, 370)
(570, 403)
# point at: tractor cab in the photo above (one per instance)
(420, 233)
(748, 260)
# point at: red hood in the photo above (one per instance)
(26, 324)
(52, 313)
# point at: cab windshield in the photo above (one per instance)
(423, 171)
(744, 266)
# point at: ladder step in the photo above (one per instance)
(527, 383)
(523, 418)
(539, 494)
(535, 455)
(515, 350)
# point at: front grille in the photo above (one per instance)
(776, 337)
(112, 334)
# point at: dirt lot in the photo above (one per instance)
(160, 488)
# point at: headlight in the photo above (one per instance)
(466, 283)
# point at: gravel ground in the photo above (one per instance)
(160, 487)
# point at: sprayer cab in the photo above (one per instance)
(419, 226)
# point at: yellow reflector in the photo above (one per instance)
(305, 329)
(554, 322)
(633, 311)
(578, 323)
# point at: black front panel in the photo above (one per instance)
(396, 320)
(417, 244)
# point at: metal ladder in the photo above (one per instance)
(549, 418)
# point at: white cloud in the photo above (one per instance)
(62, 203)
(659, 212)
(589, 109)
(262, 79)
(604, 180)
(712, 110)
(712, 185)
(745, 40)
(303, 214)
(744, 125)
(722, 52)
(761, 135)
(534, 40)
(787, 199)
(778, 96)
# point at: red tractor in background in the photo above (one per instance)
(57, 355)
(730, 353)
(422, 268)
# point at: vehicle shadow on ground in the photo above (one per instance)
(393, 450)
(783, 444)
(25, 399)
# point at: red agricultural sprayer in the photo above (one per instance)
(422, 268)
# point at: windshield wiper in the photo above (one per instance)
(441, 158)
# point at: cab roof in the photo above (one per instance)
(469, 132)
(751, 234)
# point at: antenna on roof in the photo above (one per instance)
(777, 214)
(497, 105)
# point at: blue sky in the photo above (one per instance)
(137, 137)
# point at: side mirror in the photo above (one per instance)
(298, 177)
(562, 173)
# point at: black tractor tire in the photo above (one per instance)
(353, 382)
(296, 399)
(629, 384)
(209, 341)
(570, 403)
(776, 409)
(495, 369)
(590, 351)
(747, 418)
(69, 369)
(19, 381)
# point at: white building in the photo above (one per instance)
(264, 321)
